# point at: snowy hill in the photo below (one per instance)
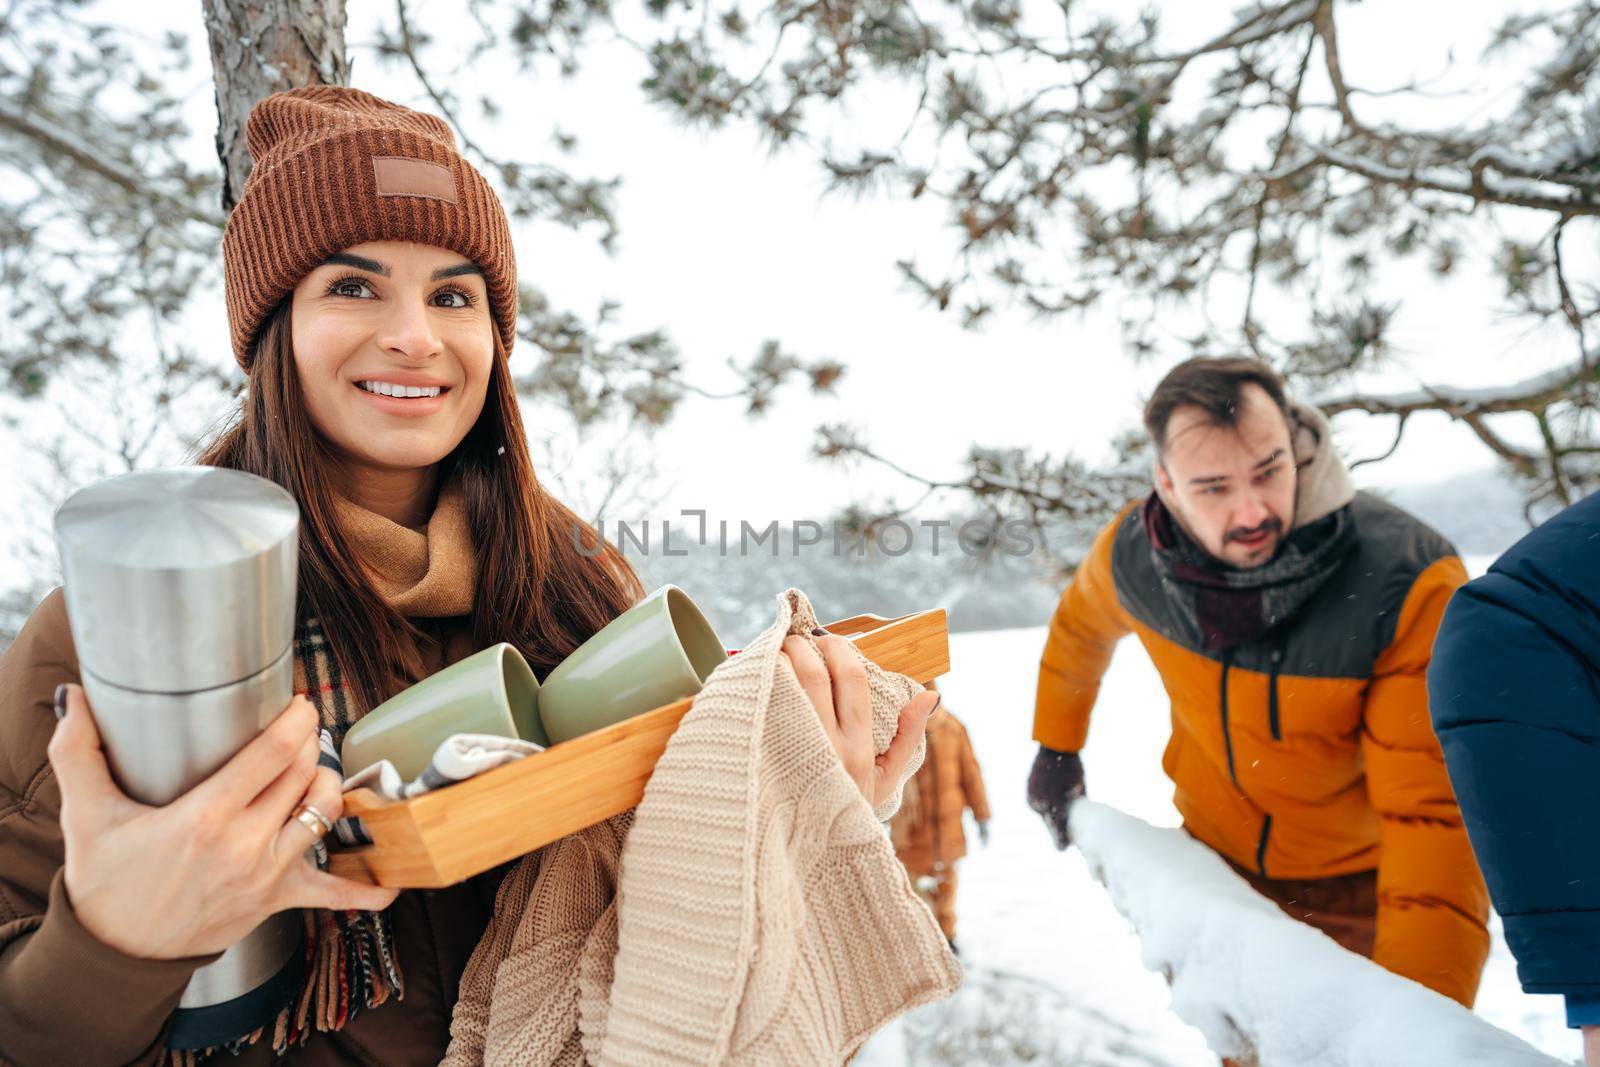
(1481, 512)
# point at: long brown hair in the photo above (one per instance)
(545, 580)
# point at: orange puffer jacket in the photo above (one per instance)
(1309, 752)
(927, 831)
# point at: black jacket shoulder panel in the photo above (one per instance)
(1341, 630)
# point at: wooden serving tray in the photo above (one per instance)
(443, 837)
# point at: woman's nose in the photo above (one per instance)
(409, 332)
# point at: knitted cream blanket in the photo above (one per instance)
(750, 910)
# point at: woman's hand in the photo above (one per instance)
(193, 877)
(836, 682)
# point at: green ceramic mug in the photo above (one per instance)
(658, 651)
(489, 692)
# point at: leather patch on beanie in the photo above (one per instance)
(404, 176)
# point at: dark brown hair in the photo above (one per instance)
(537, 587)
(1213, 385)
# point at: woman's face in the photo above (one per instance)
(393, 344)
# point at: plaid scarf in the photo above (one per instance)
(351, 960)
(1224, 607)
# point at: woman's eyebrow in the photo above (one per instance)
(358, 262)
(346, 259)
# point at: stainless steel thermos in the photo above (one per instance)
(180, 588)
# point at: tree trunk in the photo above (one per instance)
(263, 47)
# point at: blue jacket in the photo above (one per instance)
(1514, 689)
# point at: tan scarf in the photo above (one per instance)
(423, 574)
(749, 911)
(430, 573)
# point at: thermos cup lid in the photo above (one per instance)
(180, 579)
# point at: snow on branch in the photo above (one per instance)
(1550, 167)
(1526, 395)
(1260, 986)
(1516, 192)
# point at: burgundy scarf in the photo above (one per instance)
(1224, 606)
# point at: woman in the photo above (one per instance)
(371, 294)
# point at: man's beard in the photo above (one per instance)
(1257, 554)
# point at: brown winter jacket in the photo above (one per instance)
(67, 998)
(927, 831)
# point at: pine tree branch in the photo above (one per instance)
(1248, 326)
(568, 200)
(409, 48)
(1394, 446)
(1553, 450)
(1530, 395)
(1323, 21)
(980, 484)
(1482, 156)
(1569, 305)
(1242, 33)
(1479, 189)
(1523, 462)
(1546, 169)
(1473, 407)
(55, 139)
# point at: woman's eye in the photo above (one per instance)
(452, 298)
(350, 287)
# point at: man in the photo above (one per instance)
(1291, 620)
(927, 832)
(1515, 687)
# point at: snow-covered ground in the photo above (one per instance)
(1053, 972)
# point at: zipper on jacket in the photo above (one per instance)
(1227, 741)
(1275, 726)
(1272, 692)
(1261, 845)
(1227, 737)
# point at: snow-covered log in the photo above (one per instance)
(1263, 988)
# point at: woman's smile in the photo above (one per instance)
(399, 394)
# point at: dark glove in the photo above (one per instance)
(1054, 783)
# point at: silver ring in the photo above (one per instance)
(308, 816)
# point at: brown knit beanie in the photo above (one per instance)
(335, 167)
